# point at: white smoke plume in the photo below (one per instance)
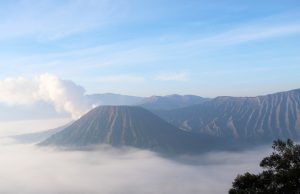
(65, 96)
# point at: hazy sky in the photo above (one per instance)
(208, 48)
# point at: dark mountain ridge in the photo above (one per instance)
(170, 102)
(128, 126)
(154, 102)
(262, 117)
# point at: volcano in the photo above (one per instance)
(127, 126)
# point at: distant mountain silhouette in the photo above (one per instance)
(170, 102)
(113, 99)
(128, 126)
(38, 136)
(152, 103)
(253, 118)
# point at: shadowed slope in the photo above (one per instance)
(129, 126)
(263, 117)
(171, 102)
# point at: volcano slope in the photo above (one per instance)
(130, 126)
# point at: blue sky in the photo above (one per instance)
(207, 48)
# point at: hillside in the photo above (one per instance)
(262, 117)
(170, 102)
(127, 126)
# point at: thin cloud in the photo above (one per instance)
(79, 60)
(253, 34)
(173, 76)
(24, 18)
(120, 78)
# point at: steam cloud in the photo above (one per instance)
(65, 96)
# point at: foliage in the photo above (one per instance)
(281, 174)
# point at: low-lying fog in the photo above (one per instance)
(28, 169)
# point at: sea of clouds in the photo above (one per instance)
(29, 169)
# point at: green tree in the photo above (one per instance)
(281, 174)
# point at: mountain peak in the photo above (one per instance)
(252, 118)
(125, 126)
(170, 102)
